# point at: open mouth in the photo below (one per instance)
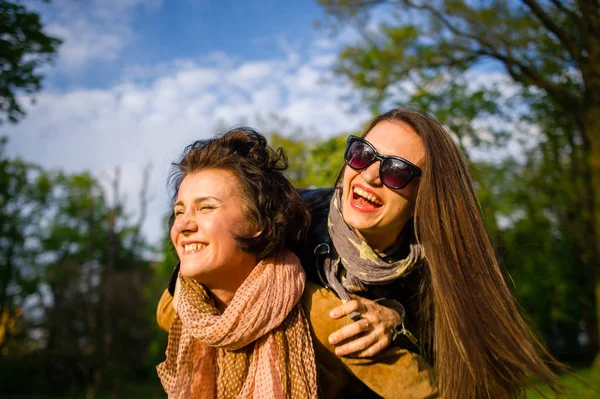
(195, 247)
(365, 199)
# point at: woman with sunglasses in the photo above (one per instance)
(402, 243)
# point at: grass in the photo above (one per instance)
(149, 390)
(582, 384)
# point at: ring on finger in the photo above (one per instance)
(367, 324)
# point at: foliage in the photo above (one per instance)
(24, 193)
(24, 50)
(582, 384)
(542, 45)
(312, 161)
(75, 287)
(311, 164)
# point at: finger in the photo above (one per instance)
(374, 349)
(357, 345)
(362, 303)
(349, 331)
(346, 309)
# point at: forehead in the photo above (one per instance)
(218, 183)
(397, 138)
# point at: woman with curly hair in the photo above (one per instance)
(238, 329)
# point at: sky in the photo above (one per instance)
(135, 81)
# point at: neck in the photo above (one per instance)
(223, 288)
(378, 243)
(381, 242)
(222, 298)
(224, 291)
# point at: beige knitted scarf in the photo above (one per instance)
(259, 347)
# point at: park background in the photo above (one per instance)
(98, 97)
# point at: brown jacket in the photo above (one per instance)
(395, 373)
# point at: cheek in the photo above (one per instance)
(399, 212)
(244, 224)
(411, 191)
(347, 177)
(218, 231)
(173, 234)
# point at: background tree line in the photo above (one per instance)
(79, 282)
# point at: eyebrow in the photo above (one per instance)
(197, 201)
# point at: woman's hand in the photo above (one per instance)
(367, 336)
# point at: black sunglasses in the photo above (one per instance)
(394, 172)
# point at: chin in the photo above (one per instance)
(360, 227)
(187, 270)
(359, 221)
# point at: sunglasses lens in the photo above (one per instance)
(358, 155)
(395, 173)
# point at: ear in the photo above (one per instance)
(259, 232)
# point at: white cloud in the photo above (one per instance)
(92, 30)
(267, 98)
(324, 44)
(323, 60)
(248, 73)
(153, 113)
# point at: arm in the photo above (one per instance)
(393, 373)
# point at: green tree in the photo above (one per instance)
(95, 274)
(312, 163)
(24, 193)
(551, 49)
(24, 50)
(537, 245)
(75, 305)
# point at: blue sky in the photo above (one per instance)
(145, 33)
(137, 80)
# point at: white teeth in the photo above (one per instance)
(368, 196)
(193, 247)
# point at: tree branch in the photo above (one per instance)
(574, 17)
(521, 73)
(590, 11)
(362, 31)
(143, 207)
(567, 40)
(513, 65)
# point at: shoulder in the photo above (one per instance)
(318, 204)
(317, 199)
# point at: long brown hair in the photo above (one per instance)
(482, 347)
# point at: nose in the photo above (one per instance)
(185, 223)
(371, 174)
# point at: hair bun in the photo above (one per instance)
(250, 144)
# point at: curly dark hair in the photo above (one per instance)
(272, 204)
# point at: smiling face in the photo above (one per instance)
(375, 212)
(209, 214)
